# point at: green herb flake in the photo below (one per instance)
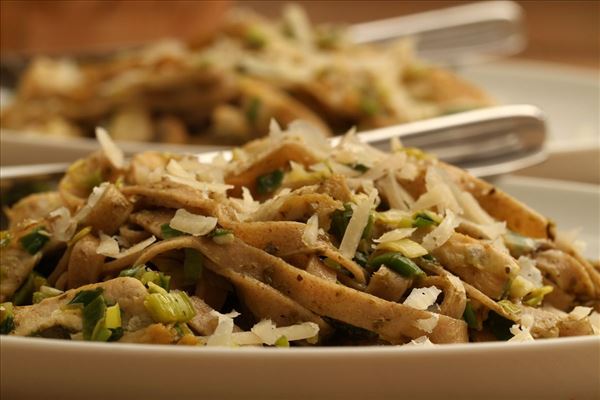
(7, 318)
(192, 266)
(35, 240)
(268, 183)
(470, 317)
(92, 314)
(359, 167)
(282, 342)
(253, 110)
(25, 293)
(170, 307)
(85, 297)
(397, 262)
(255, 38)
(340, 220)
(168, 232)
(5, 238)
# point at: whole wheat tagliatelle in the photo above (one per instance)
(225, 91)
(290, 241)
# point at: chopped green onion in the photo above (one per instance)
(422, 221)
(361, 258)
(4, 238)
(470, 317)
(336, 266)
(182, 329)
(397, 262)
(509, 307)
(100, 332)
(94, 179)
(536, 297)
(168, 232)
(92, 314)
(369, 105)
(154, 288)
(282, 342)
(85, 297)
(35, 240)
(222, 236)
(268, 183)
(7, 318)
(145, 275)
(255, 38)
(192, 266)
(169, 307)
(340, 220)
(518, 245)
(499, 326)
(116, 334)
(45, 292)
(253, 110)
(112, 319)
(82, 232)
(407, 247)
(25, 293)
(359, 167)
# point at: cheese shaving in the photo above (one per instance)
(440, 234)
(356, 225)
(110, 149)
(196, 225)
(427, 324)
(421, 341)
(109, 246)
(311, 231)
(63, 226)
(422, 298)
(580, 312)
(395, 234)
(92, 200)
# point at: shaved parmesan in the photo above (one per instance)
(397, 197)
(175, 169)
(395, 234)
(456, 283)
(520, 334)
(356, 225)
(108, 246)
(196, 225)
(595, 322)
(440, 234)
(201, 186)
(530, 272)
(92, 200)
(427, 324)
(580, 312)
(63, 226)
(109, 148)
(222, 334)
(422, 298)
(422, 341)
(311, 231)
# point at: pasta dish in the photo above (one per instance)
(290, 241)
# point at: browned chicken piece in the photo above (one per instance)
(566, 273)
(388, 285)
(477, 263)
(110, 212)
(85, 264)
(33, 207)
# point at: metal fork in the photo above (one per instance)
(487, 142)
(456, 35)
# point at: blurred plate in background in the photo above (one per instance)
(569, 96)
